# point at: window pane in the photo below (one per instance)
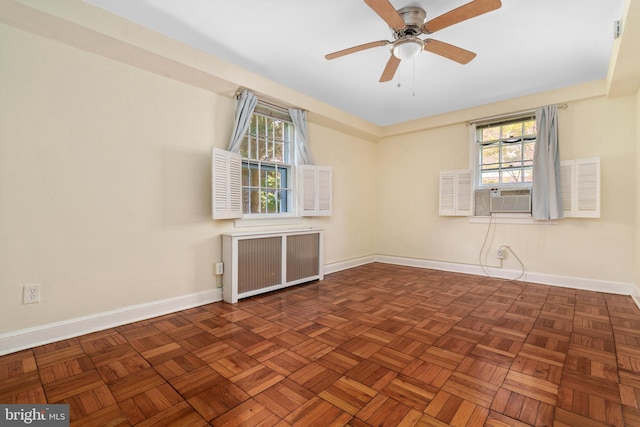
(245, 175)
(511, 152)
(270, 179)
(278, 178)
(528, 175)
(270, 201)
(277, 130)
(253, 149)
(530, 127)
(278, 154)
(254, 177)
(529, 150)
(489, 178)
(261, 126)
(512, 130)
(490, 154)
(255, 201)
(244, 147)
(284, 200)
(262, 149)
(246, 200)
(511, 176)
(491, 134)
(271, 152)
(263, 178)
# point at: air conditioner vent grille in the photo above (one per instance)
(511, 201)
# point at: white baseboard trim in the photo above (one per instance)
(31, 337)
(350, 263)
(597, 285)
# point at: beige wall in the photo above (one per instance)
(105, 184)
(409, 225)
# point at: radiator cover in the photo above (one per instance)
(266, 261)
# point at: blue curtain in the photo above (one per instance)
(546, 201)
(303, 153)
(246, 103)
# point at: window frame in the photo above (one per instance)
(287, 164)
(501, 141)
(310, 185)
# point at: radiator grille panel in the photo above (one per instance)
(303, 252)
(259, 263)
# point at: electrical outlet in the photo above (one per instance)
(219, 268)
(500, 253)
(30, 294)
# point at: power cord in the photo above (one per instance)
(483, 265)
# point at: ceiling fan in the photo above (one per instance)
(409, 22)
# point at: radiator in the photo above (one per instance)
(266, 261)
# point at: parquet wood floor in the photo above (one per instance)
(376, 345)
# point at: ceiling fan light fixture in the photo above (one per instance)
(407, 48)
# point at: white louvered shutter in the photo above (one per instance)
(447, 205)
(455, 198)
(316, 190)
(580, 187)
(566, 187)
(226, 185)
(308, 190)
(587, 172)
(324, 191)
(464, 193)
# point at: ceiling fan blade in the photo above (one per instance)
(387, 12)
(462, 13)
(355, 49)
(390, 69)
(449, 51)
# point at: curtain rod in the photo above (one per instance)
(266, 104)
(486, 120)
(275, 107)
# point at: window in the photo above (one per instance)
(505, 152)
(267, 164)
(263, 180)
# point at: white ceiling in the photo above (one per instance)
(524, 47)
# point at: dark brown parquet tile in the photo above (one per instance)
(318, 412)
(372, 375)
(138, 382)
(339, 361)
(178, 366)
(217, 399)
(410, 392)
(150, 403)
(256, 379)
(453, 410)
(284, 397)
(387, 412)
(348, 395)
(315, 377)
(377, 345)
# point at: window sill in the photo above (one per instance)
(263, 222)
(524, 219)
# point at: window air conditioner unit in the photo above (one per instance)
(510, 201)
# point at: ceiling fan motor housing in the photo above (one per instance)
(414, 18)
